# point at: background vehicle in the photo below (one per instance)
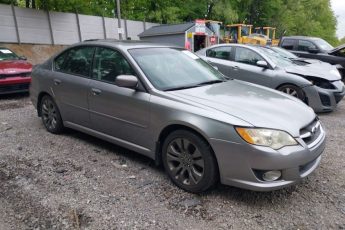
(15, 72)
(321, 89)
(238, 33)
(305, 61)
(170, 105)
(316, 48)
(242, 34)
(270, 32)
(259, 39)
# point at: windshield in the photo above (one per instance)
(172, 69)
(276, 58)
(284, 53)
(323, 44)
(6, 54)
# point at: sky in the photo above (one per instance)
(338, 7)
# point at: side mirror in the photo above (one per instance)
(313, 50)
(126, 81)
(23, 58)
(262, 64)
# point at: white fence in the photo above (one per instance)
(22, 25)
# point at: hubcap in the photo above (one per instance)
(185, 161)
(290, 91)
(49, 114)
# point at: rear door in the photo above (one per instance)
(70, 83)
(220, 57)
(116, 111)
(247, 70)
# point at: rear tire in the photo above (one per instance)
(189, 161)
(293, 90)
(50, 114)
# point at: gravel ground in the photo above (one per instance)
(75, 181)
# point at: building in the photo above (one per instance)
(192, 35)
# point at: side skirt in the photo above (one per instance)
(114, 140)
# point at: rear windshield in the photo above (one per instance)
(6, 54)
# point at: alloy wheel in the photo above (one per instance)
(185, 161)
(49, 114)
(290, 91)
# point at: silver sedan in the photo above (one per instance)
(318, 85)
(168, 104)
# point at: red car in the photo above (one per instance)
(15, 72)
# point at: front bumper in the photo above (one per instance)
(324, 100)
(238, 163)
(14, 85)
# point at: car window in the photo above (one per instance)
(6, 54)
(288, 44)
(108, 64)
(76, 61)
(247, 56)
(305, 45)
(219, 52)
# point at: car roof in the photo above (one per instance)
(301, 37)
(124, 44)
(234, 44)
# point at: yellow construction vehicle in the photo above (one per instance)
(270, 32)
(237, 33)
(242, 33)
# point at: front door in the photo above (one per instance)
(246, 69)
(116, 111)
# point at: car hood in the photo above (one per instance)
(314, 70)
(257, 105)
(14, 66)
(337, 49)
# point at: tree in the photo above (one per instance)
(342, 41)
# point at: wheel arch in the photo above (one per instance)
(171, 128)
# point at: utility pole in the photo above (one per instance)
(119, 18)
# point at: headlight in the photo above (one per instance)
(319, 82)
(266, 137)
(335, 72)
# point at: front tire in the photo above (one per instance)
(50, 114)
(189, 161)
(293, 90)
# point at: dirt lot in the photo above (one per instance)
(74, 181)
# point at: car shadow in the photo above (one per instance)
(113, 148)
(14, 96)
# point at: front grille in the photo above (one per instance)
(325, 100)
(312, 133)
(14, 88)
(3, 76)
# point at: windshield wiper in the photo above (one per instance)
(194, 86)
(210, 82)
(181, 87)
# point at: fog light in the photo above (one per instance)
(271, 175)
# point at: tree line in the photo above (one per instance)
(291, 17)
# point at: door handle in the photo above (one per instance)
(96, 92)
(235, 68)
(57, 82)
